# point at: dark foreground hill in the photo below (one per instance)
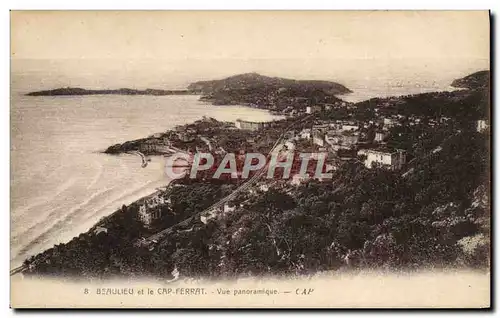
(434, 213)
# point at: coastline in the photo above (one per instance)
(101, 214)
(75, 91)
(135, 197)
(186, 135)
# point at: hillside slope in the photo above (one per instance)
(273, 93)
(476, 80)
(254, 80)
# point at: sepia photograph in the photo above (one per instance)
(250, 159)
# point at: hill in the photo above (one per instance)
(273, 93)
(254, 80)
(432, 214)
(476, 80)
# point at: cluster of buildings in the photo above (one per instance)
(327, 106)
(313, 109)
(352, 138)
(363, 139)
(185, 134)
(161, 142)
(335, 135)
(149, 209)
(250, 125)
(293, 111)
(383, 158)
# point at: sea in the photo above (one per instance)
(62, 183)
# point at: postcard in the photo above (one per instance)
(250, 159)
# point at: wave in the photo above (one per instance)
(21, 212)
(72, 215)
(54, 210)
(97, 176)
(122, 197)
(19, 216)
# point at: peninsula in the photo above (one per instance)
(70, 91)
(272, 93)
(280, 95)
(410, 190)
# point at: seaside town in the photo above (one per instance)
(409, 190)
(342, 140)
(251, 158)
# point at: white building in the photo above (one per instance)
(313, 109)
(147, 216)
(388, 123)
(290, 145)
(100, 229)
(228, 209)
(155, 201)
(342, 140)
(393, 160)
(150, 211)
(323, 127)
(264, 188)
(305, 133)
(481, 125)
(350, 127)
(210, 215)
(250, 125)
(444, 119)
(379, 136)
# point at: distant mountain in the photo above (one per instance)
(476, 80)
(122, 91)
(254, 80)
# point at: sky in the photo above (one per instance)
(343, 45)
